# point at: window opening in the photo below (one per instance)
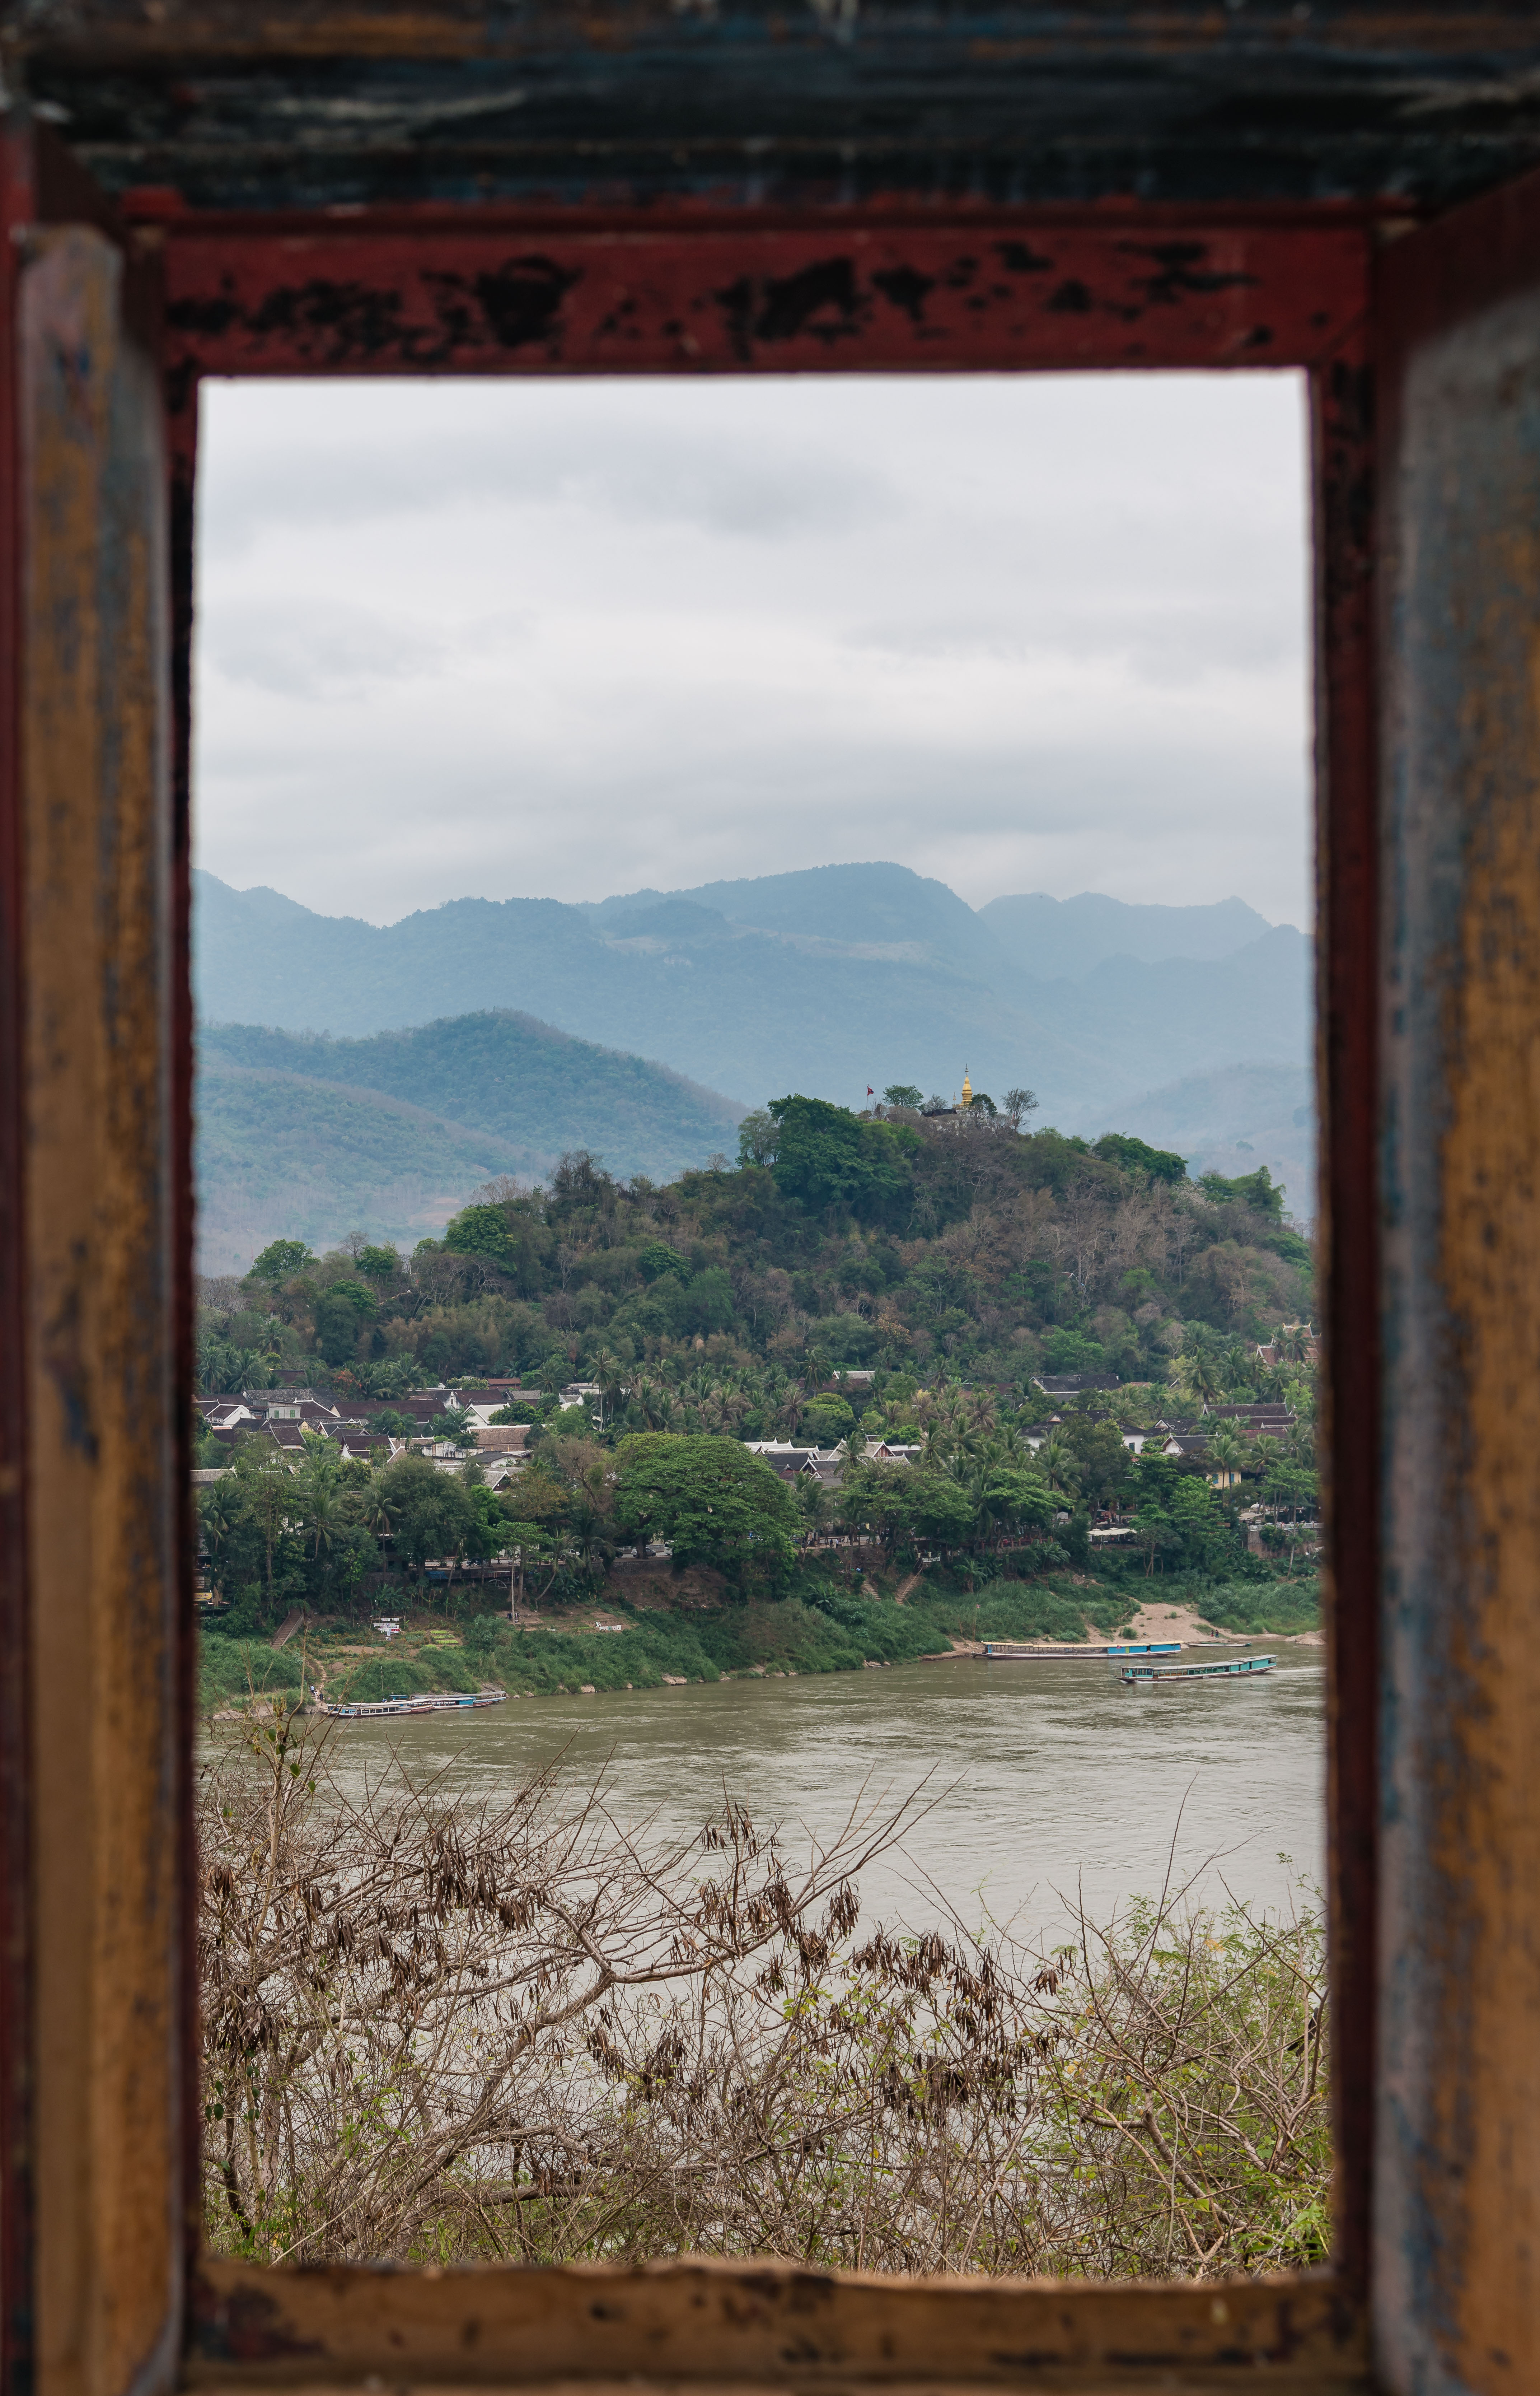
(608, 797)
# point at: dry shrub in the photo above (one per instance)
(439, 2029)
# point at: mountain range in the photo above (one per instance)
(353, 1075)
(823, 979)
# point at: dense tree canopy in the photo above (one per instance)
(1136, 1155)
(828, 1157)
(926, 1250)
(710, 1498)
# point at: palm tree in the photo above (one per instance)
(1238, 1362)
(936, 1440)
(270, 1491)
(217, 1507)
(378, 1509)
(653, 1404)
(1056, 1462)
(853, 1447)
(1197, 1374)
(1225, 1449)
(610, 1374)
(812, 1499)
(1268, 1453)
(322, 1517)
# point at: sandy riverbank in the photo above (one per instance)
(1159, 1620)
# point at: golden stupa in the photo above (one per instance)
(967, 1088)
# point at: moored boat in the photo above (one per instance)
(435, 1701)
(1021, 1651)
(1233, 1669)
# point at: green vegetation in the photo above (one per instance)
(872, 1281)
(712, 1501)
(231, 1672)
(928, 1255)
(826, 1624)
(1161, 1163)
(714, 2053)
(1280, 1609)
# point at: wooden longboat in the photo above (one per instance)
(1235, 1667)
(433, 1702)
(1018, 1651)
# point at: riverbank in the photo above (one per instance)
(664, 1629)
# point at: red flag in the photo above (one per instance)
(870, 1092)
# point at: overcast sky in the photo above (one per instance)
(561, 639)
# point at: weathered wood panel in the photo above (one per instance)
(1132, 2379)
(1457, 2202)
(463, 297)
(1347, 1238)
(16, 2005)
(1135, 2379)
(309, 104)
(770, 2323)
(105, 1493)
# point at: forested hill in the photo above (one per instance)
(309, 1139)
(826, 980)
(905, 1245)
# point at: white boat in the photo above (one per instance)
(1019, 1651)
(435, 1701)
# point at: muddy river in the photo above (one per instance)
(1045, 1782)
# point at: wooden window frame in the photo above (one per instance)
(108, 322)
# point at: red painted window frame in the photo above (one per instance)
(881, 289)
(954, 289)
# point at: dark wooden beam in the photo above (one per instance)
(303, 103)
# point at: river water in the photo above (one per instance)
(1052, 1782)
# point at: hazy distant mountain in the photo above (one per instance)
(282, 1156)
(882, 912)
(1050, 938)
(823, 979)
(1233, 1120)
(305, 1138)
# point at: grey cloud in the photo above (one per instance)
(319, 652)
(715, 486)
(568, 638)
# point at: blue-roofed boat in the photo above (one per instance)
(1021, 1651)
(1234, 1667)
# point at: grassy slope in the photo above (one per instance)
(1277, 1609)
